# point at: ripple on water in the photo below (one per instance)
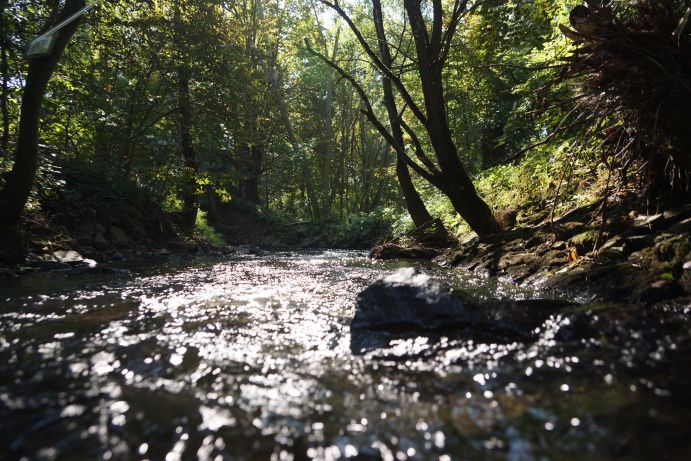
(249, 358)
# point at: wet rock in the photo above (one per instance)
(407, 304)
(247, 250)
(686, 277)
(396, 251)
(66, 256)
(672, 249)
(70, 257)
(518, 259)
(584, 242)
(255, 251)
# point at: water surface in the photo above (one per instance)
(248, 358)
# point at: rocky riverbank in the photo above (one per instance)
(633, 257)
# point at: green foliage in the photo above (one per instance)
(171, 203)
(360, 230)
(112, 111)
(547, 181)
(205, 232)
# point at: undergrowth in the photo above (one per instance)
(206, 233)
(545, 184)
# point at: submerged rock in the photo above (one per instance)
(408, 304)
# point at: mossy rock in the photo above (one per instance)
(518, 259)
(673, 250)
(555, 258)
(585, 241)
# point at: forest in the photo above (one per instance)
(225, 223)
(368, 120)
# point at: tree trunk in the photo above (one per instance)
(414, 204)
(288, 125)
(454, 177)
(250, 184)
(16, 192)
(190, 203)
(4, 44)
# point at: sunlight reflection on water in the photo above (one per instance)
(249, 358)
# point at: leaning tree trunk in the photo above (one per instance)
(454, 177)
(414, 204)
(20, 181)
(431, 52)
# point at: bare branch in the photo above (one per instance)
(377, 62)
(371, 116)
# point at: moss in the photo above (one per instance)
(585, 241)
(673, 250)
(518, 259)
(657, 269)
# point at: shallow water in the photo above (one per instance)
(248, 358)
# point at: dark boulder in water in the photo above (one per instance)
(408, 304)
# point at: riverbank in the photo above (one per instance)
(631, 257)
(623, 254)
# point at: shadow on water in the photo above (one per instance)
(249, 358)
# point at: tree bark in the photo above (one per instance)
(431, 51)
(254, 155)
(414, 204)
(20, 181)
(4, 44)
(459, 187)
(190, 201)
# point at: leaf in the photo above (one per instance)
(573, 254)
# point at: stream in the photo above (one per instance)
(248, 358)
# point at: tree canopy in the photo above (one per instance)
(314, 110)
